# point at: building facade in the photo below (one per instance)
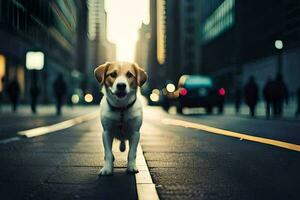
(237, 40)
(181, 38)
(99, 49)
(47, 26)
(189, 17)
(150, 51)
(143, 46)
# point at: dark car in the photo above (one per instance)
(197, 91)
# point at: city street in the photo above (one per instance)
(194, 156)
(219, 87)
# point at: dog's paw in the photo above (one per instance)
(132, 170)
(106, 171)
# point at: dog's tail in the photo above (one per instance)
(122, 146)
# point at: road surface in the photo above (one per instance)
(188, 157)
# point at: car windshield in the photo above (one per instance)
(198, 81)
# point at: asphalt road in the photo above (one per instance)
(192, 164)
(185, 163)
(62, 165)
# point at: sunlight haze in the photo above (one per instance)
(124, 20)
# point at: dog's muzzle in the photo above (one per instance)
(121, 90)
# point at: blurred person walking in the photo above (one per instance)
(2, 92)
(280, 95)
(251, 95)
(268, 95)
(13, 91)
(237, 99)
(298, 103)
(60, 91)
(34, 93)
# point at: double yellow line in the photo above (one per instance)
(240, 136)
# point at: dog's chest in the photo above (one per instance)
(121, 123)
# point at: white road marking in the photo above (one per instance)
(57, 127)
(145, 187)
(240, 136)
(8, 140)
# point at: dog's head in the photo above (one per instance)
(121, 80)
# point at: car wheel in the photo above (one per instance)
(220, 109)
(179, 109)
(208, 110)
(166, 107)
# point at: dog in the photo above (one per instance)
(120, 111)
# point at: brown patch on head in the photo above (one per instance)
(113, 71)
(130, 73)
(141, 75)
(100, 72)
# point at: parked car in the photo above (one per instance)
(196, 91)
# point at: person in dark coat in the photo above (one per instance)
(280, 95)
(268, 96)
(13, 91)
(298, 103)
(60, 91)
(251, 95)
(34, 93)
(2, 92)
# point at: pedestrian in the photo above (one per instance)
(60, 91)
(280, 95)
(237, 99)
(251, 95)
(34, 93)
(298, 103)
(268, 96)
(13, 91)
(2, 89)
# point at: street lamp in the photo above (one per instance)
(279, 46)
(34, 60)
(170, 87)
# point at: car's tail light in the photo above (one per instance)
(183, 92)
(222, 92)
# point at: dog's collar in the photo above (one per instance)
(115, 108)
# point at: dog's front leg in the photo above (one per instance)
(107, 169)
(133, 143)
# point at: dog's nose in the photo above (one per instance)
(121, 86)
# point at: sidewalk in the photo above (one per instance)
(63, 165)
(229, 110)
(45, 110)
(288, 110)
(11, 123)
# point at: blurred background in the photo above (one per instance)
(224, 41)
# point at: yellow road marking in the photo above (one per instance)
(241, 136)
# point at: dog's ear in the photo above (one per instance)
(100, 72)
(141, 75)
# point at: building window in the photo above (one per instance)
(219, 21)
(161, 32)
(2, 71)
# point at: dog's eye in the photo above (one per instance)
(129, 75)
(113, 75)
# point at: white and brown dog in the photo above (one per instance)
(120, 110)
